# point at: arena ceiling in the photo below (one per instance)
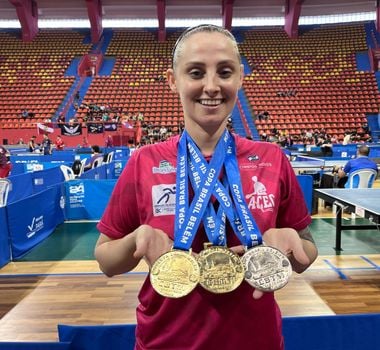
(144, 9)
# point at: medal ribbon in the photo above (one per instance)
(213, 230)
(214, 224)
(248, 228)
(187, 219)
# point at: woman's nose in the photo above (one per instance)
(211, 84)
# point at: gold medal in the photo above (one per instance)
(221, 269)
(175, 274)
(266, 268)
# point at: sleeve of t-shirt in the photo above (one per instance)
(347, 167)
(293, 211)
(121, 214)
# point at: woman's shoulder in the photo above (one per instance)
(247, 145)
(168, 147)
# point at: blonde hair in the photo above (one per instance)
(202, 28)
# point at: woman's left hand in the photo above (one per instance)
(289, 243)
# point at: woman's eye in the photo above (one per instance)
(226, 73)
(196, 74)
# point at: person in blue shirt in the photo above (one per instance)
(360, 162)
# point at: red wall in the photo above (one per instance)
(13, 135)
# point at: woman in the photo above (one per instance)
(142, 218)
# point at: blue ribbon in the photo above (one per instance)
(248, 227)
(205, 182)
(187, 219)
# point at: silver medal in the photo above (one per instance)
(266, 268)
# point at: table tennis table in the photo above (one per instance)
(304, 164)
(365, 202)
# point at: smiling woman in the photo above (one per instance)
(137, 224)
(207, 75)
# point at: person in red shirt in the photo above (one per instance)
(140, 221)
(5, 164)
(59, 144)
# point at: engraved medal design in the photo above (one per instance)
(221, 269)
(175, 274)
(266, 268)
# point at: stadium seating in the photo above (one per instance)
(319, 68)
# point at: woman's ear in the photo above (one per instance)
(171, 79)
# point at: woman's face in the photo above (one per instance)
(207, 77)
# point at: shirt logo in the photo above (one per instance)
(163, 199)
(253, 157)
(164, 168)
(259, 198)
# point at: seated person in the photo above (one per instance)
(95, 154)
(360, 162)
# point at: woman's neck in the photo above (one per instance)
(206, 140)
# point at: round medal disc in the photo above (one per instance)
(175, 274)
(221, 269)
(266, 268)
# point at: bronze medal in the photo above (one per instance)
(266, 268)
(175, 274)
(221, 269)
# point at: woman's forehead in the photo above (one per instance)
(205, 42)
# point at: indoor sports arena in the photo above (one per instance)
(148, 151)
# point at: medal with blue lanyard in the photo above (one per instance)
(221, 270)
(176, 273)
(266, 268)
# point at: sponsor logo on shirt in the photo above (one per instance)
(254, 165)
(163, 199)
(253, 157)
(164, 168)
(260, 198)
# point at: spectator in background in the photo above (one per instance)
(360, 162)
(59, 144)
(61, 119)
(109, 141)
(85, 143)
(46, 145)
(77, 97)
(131, 146)
(25, 114)
(347, 137)
(5, 163)
(95, 155)
(365, 127)
(326, 147)
(32, 144)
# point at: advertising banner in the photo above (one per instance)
(30, 222)
(87, 199)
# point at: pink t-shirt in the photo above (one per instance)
(145, 194)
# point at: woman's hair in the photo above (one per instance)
(202, 28)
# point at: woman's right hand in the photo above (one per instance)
(151, 243)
